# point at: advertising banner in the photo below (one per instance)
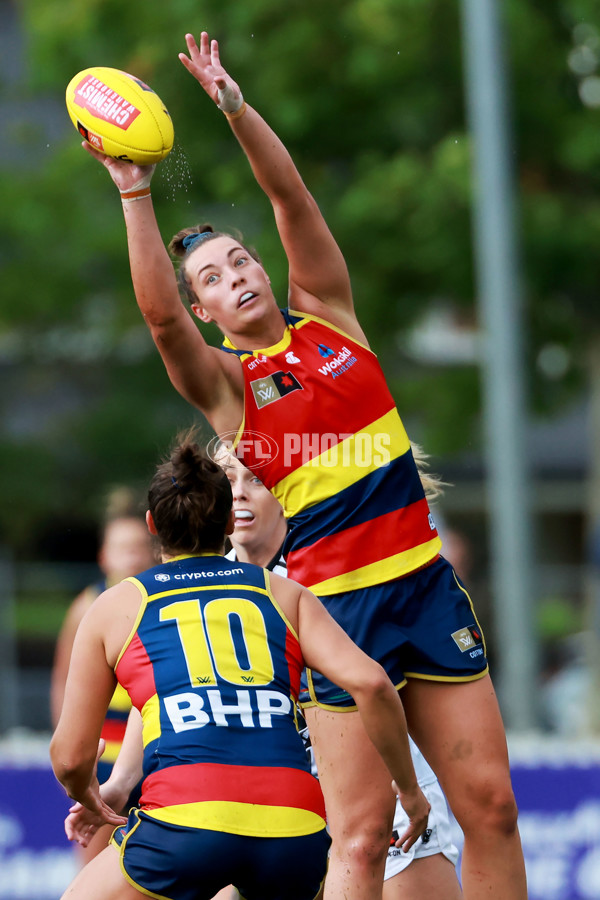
(557, 785)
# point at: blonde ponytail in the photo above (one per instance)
(432, 484)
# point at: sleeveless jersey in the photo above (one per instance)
(322, 432)
(214, 668)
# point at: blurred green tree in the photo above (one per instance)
(368, 95)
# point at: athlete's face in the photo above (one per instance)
(259, 523)
(232, 288)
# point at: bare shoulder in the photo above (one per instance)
(285, 587)
(214, 384)
(116, 601)
(287, 594)
(111, 618)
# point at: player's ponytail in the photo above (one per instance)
(190, 500)
(432, 484)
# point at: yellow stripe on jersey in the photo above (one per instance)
(249, 819)
(151, 719)
(306, 318)
(223, 588)
(279, 347)
(344, 464)
(120, 700)
(379, 571)
(278, 607)
(138, 618)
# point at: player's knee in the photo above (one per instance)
(365, 848)
(494, 811)
(504, 814)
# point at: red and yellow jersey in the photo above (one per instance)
(322, 432)
(214, 667)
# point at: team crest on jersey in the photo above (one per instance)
(467, 638)
(274, 387)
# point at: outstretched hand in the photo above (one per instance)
(417, 809)
(205, 65)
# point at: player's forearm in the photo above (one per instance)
(152, 272)
(271, 163)
(383, 717)
(117, 788)
(75, 772)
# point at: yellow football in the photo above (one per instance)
(120, 115)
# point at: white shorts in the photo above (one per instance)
(437, 837)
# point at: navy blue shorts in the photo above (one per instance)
(177, 863)
(419, 626)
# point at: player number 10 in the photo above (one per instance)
(208, 646)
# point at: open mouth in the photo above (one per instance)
(245, 298)
(243, 516)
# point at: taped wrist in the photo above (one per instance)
(139, 190)
(230, 103)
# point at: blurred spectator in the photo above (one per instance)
(565, 675)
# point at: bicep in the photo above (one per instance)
(316, 263)
(202, 374)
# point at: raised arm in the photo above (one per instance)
(207, 378)
(319, 281)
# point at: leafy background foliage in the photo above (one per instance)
(368, 95)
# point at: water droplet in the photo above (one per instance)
(176, 172)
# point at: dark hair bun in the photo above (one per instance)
(190, 499)
(192, 467)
